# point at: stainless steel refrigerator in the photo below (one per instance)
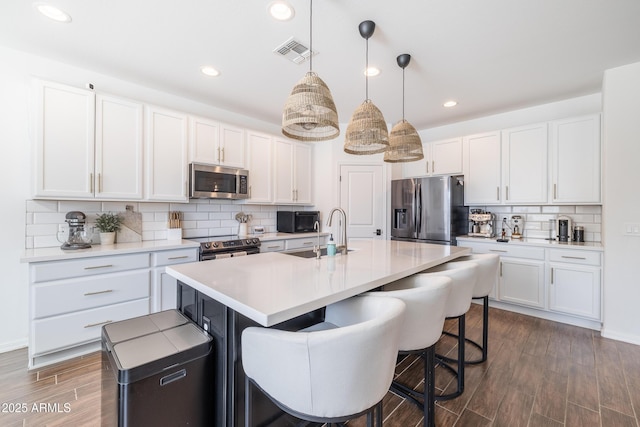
(429, 210)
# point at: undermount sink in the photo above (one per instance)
(310, 254)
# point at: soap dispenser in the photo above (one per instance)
(331, 246)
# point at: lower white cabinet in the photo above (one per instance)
(561, 281)
(164, 287)
(522, 282)
(272, 246)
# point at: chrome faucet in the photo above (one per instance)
(316, 248)
(342, 248)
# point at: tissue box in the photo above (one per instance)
(174, 234)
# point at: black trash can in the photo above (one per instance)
(157, 370)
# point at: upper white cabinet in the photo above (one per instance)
(166, 155)
(440, 158)
(260, 166)
(292, 163)
(482, 169)
(576, 160)
(119, 141)
(88, 145)
(64, 142)
(216, 143)
(524, 164)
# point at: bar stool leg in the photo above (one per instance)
(459, 373)
(429, 387)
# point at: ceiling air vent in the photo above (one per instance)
(294, 51)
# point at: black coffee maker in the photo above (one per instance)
(564, 228)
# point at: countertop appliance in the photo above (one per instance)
(429, 210)
(297, 221)
(481, 223)
(517, 226)
(563, 227)
(217, 182)
(219, 247)
(78, 238)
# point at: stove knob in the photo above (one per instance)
(215, 244)
(255, 241)
(207, 245)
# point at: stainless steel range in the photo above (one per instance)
(218, 247)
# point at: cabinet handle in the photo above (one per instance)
(107, 291)
(99, 266)
(249, 191)
(552, 275)
(555, 191)
(572, 257)
(427, 166)
(307, 243)
(222, 149)
(500, 269)
(218, 153)
(273, 247)
(498, 193)
(91, 325)
(497, 250)
(433, 166)
(99, 183)
(507, 191)
(179, 257)
(91, 183)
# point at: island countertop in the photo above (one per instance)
(270, 288)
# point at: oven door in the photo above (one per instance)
(217, 182)
(206, 256)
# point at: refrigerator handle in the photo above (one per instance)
(418, 217)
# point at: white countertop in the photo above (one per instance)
(270, 288)
(589, 246)
(57, 254)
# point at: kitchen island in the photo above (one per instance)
(287, 292)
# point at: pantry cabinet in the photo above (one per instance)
(166, 175)
(440, 158)
(292, 172)
(482, 169)
(576, 160)
(216, 143)
(260, 166)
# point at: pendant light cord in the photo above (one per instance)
(311, 36)
(366, 70)
(402, 93)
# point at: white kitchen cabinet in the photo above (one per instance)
(88, 146)
(522, 282)
(119, 149)
(260, 166)
(524, 164)
(64, 142)
(292, 165)
(575, 282)
(216, 143)
(70, 300)
(576, 160)
(272, 246)
(166, 174)
(440, 158)
(482, 171)
(164, 287)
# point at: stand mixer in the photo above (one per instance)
(78, 237)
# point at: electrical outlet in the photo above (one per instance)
(632, 229)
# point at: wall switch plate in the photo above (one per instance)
(632, 229)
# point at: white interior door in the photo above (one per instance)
(362, 198)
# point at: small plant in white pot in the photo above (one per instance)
(108, 223)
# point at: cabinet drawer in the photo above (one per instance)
(272, 246)
(309, 242)
(575, 256)
(55, 270)
(68, 330)
(50, 299)
(177, 256)
(506, 250)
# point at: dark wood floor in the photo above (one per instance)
(539, 373)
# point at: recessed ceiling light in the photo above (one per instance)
(281, 10)
(450, 104)
(372, 71)
(208, 70)
(52, 12)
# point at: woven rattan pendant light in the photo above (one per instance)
(404, 142)
(310, 113)
(367, 131)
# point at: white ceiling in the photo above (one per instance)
(489, 55)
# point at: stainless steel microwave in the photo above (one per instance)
(217, 182)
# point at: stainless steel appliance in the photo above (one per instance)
(578, 234)
(517, 226)
(297, 221)
(218, 247)
(481, 223)
(563, 227)
(78, 237)
(428, 210)
(217, 182)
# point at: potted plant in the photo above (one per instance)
(108, 223)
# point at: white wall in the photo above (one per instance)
(621, 127)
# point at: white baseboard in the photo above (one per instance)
(13, 345)
(631, 339)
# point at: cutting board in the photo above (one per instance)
(131, 227)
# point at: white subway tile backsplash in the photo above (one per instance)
(82, 206)
(118, 206)
(208, 208)
(42, 206)
(153, 207)
(526, 209)
(588, 209)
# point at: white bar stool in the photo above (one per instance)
(463, 275)
(488, 266)
(332, 372)
(425, 298)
